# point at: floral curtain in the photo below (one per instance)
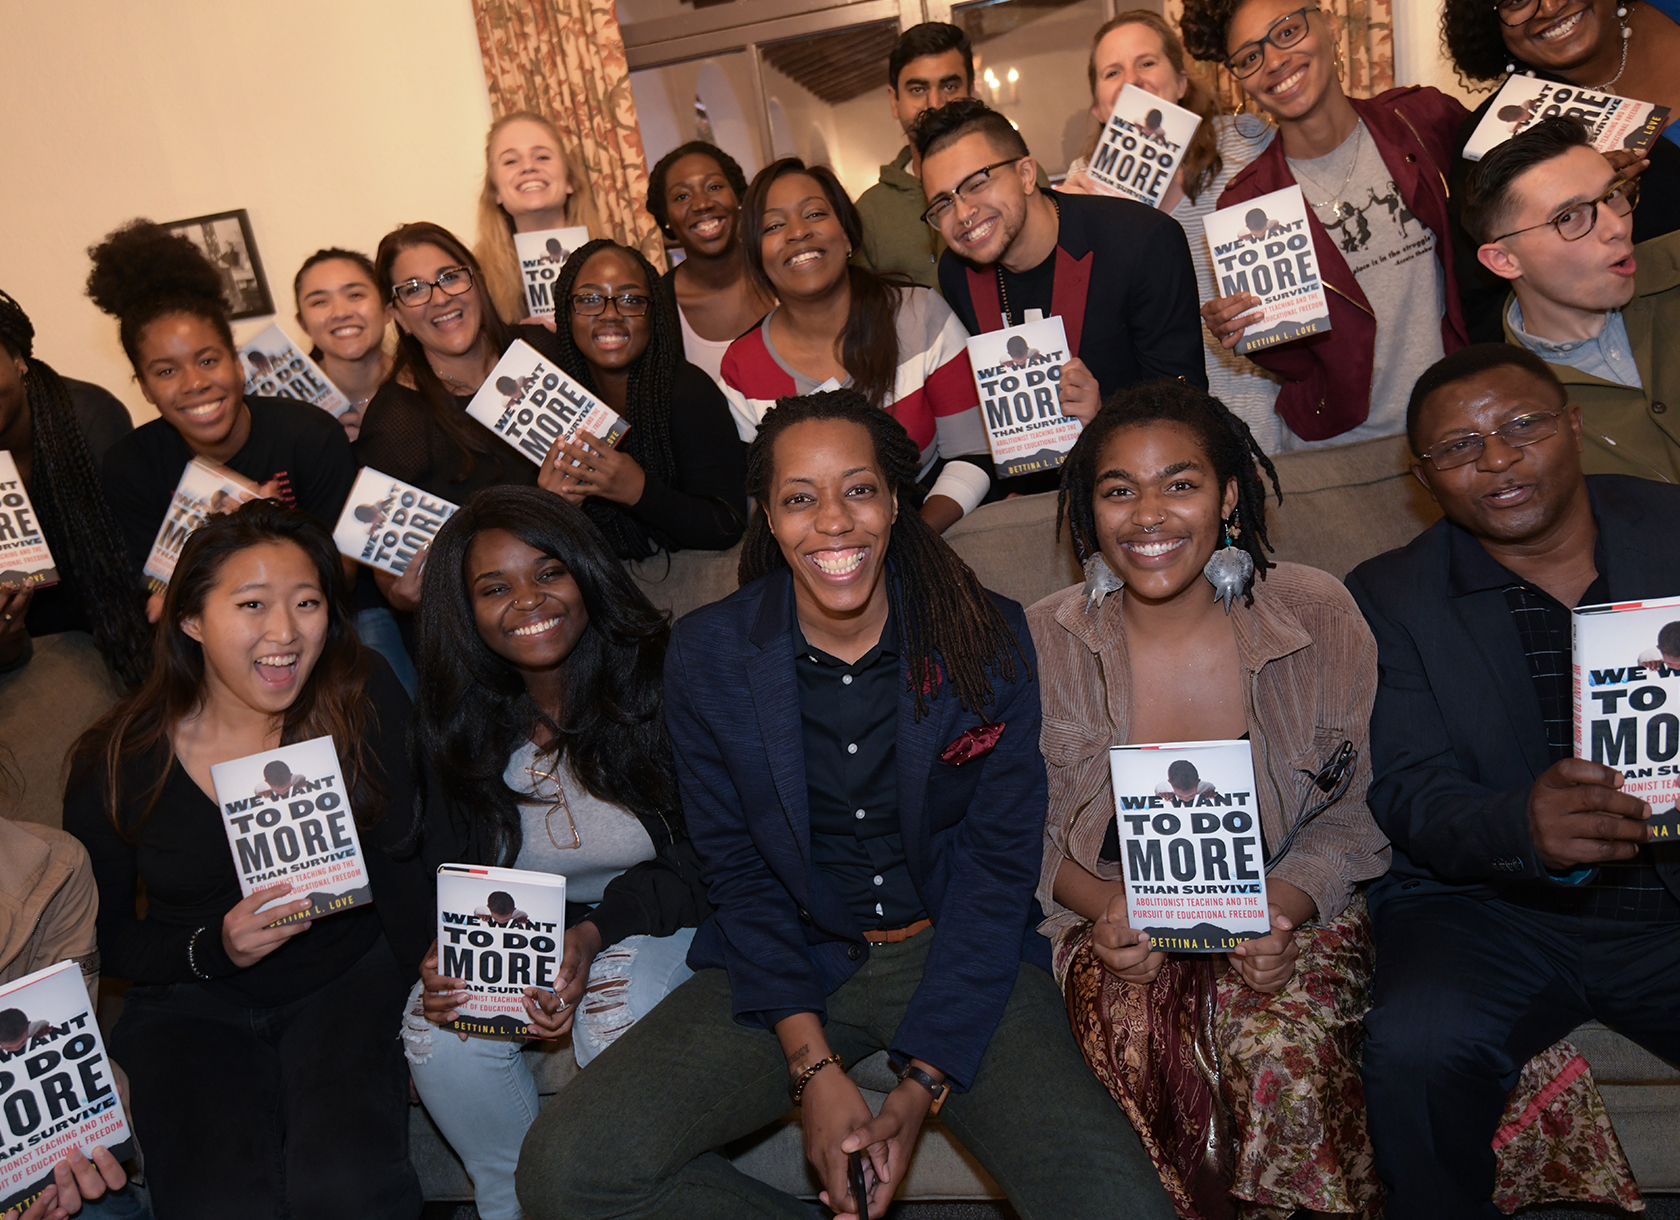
(1367, 50)
(565, 59)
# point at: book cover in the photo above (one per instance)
(204, 488)
(386, 522)
(1265, 246)
(1190, 844)
(25, 558)
(57, 1088)
(1627, 700)
(542, 252)
(278, 368)
(288, 818)
(500, 930)
(530, 404)
(1019, 373)
(1612, 122)
(1141, 146)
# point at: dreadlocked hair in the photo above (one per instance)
(93, 563)
(1227, 441)
(950, 629)
(1472, 33)
(647, 399)
(143, 272)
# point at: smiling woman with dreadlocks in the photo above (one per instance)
(856, 742)
(52, 428)
(676, 479)
(1172, 639)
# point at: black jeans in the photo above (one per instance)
(1467, 991)
(295, 1111)
(636, 1134)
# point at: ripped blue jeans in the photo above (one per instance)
(481, 1092)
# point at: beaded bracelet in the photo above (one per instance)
(192, 958)
(798, 1089)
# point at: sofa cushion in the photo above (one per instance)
(44, 708)
(1616, 1060)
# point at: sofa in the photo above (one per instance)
(1341, 506)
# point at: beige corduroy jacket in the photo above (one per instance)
(1310, 668)
(48, 903)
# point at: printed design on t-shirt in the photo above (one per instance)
(1384, 220)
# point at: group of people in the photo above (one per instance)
(863, 804)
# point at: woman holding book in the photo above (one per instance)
(531, 183)
(677, 478)
(695, 193)
(339, 308)
(541, 720)
(898, 345)
(1164, 497)
(1140, 48)
(265, 1080)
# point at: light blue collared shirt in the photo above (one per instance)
(1608, 356)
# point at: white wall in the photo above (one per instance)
(1420, 57)
(331, 122)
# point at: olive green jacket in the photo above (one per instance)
(1631, 429)
(895, 238)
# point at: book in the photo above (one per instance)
(1612, 122)
(542, 252)
(500, 930)
(25, 558)
(1019, 374)
(278, 368)
(1141, 146)
(57, 1087)
(1190, 843)
(1627, 700)
(205, 488)
(386, 522)
(1265, 246)
(530, 404)
(288, 818)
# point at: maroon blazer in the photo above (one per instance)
(1327, 377)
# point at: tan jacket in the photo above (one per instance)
(48, 903)
(1310, 667)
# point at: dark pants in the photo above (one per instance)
(636, 1135)
(1467, 991)
(295, 1111)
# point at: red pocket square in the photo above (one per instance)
(972, 743)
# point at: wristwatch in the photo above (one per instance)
(940, 1089)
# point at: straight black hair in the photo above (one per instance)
(1488, 194)
(945, 125)
(929, 38)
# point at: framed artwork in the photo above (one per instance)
(225, 238)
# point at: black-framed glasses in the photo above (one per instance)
(1578, 219)
(939, 207)
(416, 292)
(1515, 12)
(628, 304)
(1465, 448)
(1283, 33)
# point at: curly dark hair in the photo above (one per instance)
(1204, 26)
(1472, 33)
(731, 168)
(948, 623)
(143, 272)
(1226, 439)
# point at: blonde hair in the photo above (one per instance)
(1202, 161)
(494, 248)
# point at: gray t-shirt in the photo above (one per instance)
(1392, 255)
(610, 838)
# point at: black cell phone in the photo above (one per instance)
(860, 1191)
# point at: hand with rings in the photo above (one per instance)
(587, 466)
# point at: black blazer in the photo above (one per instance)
(1456, 735)
(973, 834)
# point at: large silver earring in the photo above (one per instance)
(1100, 581)
(1231, 568)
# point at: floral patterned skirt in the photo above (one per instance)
(1290, 1132)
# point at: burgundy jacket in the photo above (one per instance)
(1327, 377)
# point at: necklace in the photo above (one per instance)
(1003, 289)
(1334, 202)
(557, 801)
(455, 383)
(1621, 17)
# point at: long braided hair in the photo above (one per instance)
(647, 399)
(950, 629)
(93, 563)
(1227, 441)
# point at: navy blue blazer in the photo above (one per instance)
(1456, 735)
(973, 834)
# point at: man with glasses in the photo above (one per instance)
(1524, 897)
(1554, 219)
(1116, 272)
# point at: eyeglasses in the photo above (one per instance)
(416, 292)
(630, 304)
(939, 207)
(1465, 448)
(1515, 12)
(1578, 219)
(1284, 33)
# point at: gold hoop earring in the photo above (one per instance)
(1340, 65)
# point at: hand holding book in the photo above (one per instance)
(1125, 952)
(1228, 317)
(250, 933)
(588, 466)
(1579, 817)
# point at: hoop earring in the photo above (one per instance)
(1230, 569)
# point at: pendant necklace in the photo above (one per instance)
(1338, 209)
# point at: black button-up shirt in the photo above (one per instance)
(849, 714)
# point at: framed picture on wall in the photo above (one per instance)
(226, 240)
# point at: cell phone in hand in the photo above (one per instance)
(860, 1189)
